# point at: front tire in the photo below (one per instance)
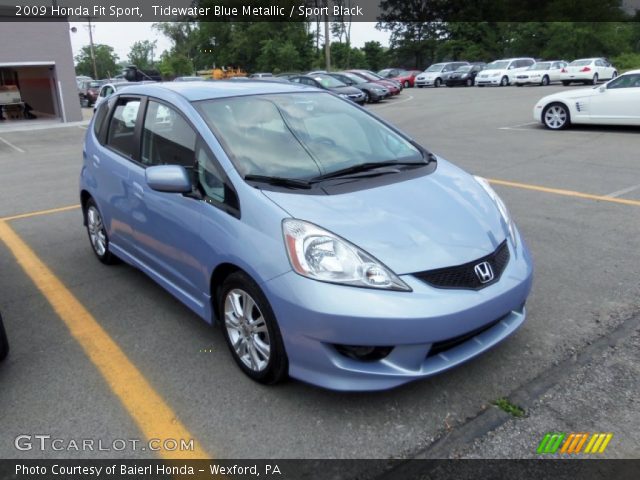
(251, 330)
(555, 116)
(437, 83)
(406, 84)
(4, 343)
(469, 82)
(545, 81)
(565, 83)
(98, 234)
(504, 81)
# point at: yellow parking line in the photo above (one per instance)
(40, 212)
(568, 193)
(152, 415)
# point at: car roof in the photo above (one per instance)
(204, 90)
(631, 71)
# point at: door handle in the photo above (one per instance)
(138, 191)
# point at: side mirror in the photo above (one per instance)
(603, 89)
(168, 178)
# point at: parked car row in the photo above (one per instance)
(514, 71)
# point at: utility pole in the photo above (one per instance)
(327, 39)
(93, 55)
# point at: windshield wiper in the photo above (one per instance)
(364, 167)
(278, 181)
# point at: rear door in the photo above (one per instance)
(110, 165)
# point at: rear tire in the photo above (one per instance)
(419, 86)
(4, 343)
(594, 80)
(565, 83)
(251, 330)
(98, 233)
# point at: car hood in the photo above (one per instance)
(534, 72)
(346, 90)
(434, 221)
(570, 95)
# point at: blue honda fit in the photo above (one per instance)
(330, 246)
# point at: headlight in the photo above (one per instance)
(464, 75)
(343, 95)
(502, 208)
(320, 255)
(496, 74)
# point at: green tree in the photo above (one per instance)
(106, 61)
(175, 65)
(375, 55)
(141, 54)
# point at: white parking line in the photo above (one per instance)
(623, 191)
(517, 127)
(82, 128)
(17, 149)
(395, 102)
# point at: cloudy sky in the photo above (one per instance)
(122, 35)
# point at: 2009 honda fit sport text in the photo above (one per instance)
(330, 246)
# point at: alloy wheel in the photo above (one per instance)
(556, 117)
(247, 330)
(97, 234)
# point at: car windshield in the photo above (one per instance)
(580, 63)
(301, 135)
(95, 84)
(367, 76)
(327, 81)
(540, 66)
(353, 78)
(466, 68)
(385, 72)
(497, 65)
(435, 68)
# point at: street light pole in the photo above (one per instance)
(93, 55)
(327, 39)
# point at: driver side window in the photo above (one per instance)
(167, 138)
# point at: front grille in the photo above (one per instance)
(464, 276)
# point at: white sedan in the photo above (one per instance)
(588, 71)
(615, 103)
(541, 73)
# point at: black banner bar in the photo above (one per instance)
(556, 469)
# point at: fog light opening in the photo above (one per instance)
(363, 353)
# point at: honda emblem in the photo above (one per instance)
(484, 272)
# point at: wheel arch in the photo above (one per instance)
(84, 198)
(218, 276)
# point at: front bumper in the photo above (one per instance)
(315, 316)
(488, 80)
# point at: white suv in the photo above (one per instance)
(503, 72)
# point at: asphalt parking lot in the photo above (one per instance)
(104, 353)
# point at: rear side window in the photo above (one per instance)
(121, 136)
(167, 138)
(99, 119)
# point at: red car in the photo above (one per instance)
(389, 84)
(406, 77)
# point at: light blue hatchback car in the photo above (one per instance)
(330, 246)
